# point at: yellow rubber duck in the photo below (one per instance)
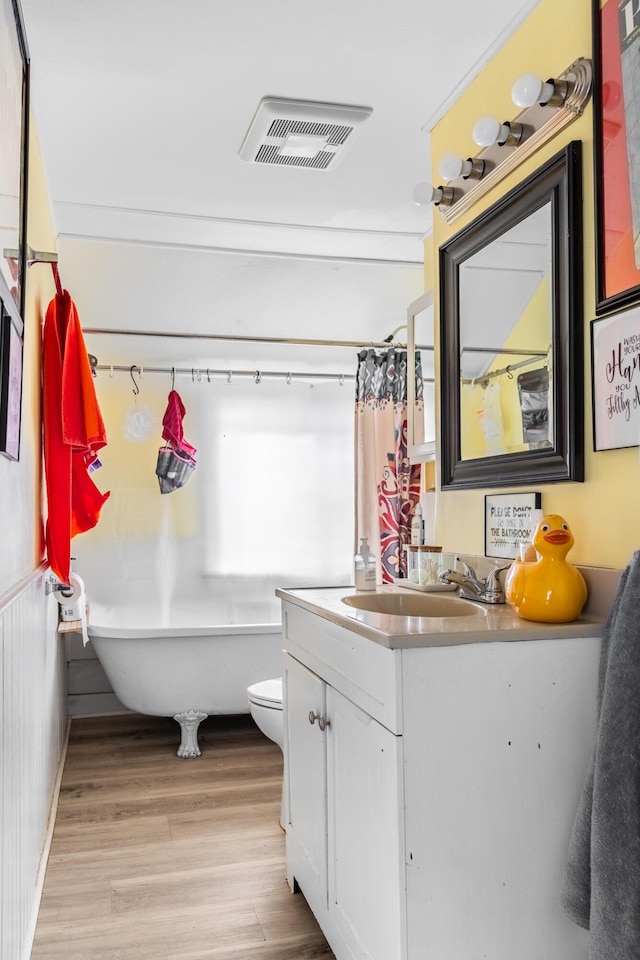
(548, 589)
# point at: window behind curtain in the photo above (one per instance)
(278, 505)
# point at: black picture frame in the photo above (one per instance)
(558, 183)
(615, 379)
(11, 363)
(616, 158)
(14, 146)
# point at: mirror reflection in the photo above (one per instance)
(505, 360)
(421, 408)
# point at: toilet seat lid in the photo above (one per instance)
(267, 692)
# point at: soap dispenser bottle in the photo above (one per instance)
(365, 567)
(417, 528)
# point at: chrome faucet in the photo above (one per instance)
(472, 588)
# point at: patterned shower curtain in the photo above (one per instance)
(387, 486)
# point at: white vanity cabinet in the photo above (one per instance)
(429, 819)
(344, 812)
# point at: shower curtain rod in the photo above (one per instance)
(505, 351)
(492, 374)
(198, 374)
(232, 337)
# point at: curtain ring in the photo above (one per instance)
(258, 376)
(289, 379)
(136, 388)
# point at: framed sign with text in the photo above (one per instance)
(509, 520)
(615, 374)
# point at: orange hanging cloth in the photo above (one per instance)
(73, 432)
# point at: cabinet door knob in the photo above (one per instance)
(323, 723)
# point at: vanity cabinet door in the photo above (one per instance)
(345, 822)
(305, 751)
(365, 831)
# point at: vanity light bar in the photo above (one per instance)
(539, 123)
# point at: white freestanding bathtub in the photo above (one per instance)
(186, 669)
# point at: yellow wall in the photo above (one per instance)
(601, 511)
(20, 481)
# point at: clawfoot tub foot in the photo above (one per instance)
(189, 722)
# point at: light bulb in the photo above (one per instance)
(423, 194)
(488, 130)
(451, 166)
(529, 89)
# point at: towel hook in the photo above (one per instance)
(208, 377)
(258, 376)
(136, 388)
(173, 378)
(341, 381)
(508, 369)
(229, 377)
(288, 379)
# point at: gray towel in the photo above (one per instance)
(601, 887)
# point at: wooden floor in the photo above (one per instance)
(157, 858)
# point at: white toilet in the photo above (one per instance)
(265, 703)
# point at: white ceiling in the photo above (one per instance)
(140, 110)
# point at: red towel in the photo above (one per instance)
(73, 431)
(172, 424)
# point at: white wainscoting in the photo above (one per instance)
(33, 726)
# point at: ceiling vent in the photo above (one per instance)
(301, 133)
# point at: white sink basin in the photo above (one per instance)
(414, 605)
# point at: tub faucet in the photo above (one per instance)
(472, 588)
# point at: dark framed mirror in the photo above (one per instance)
(511, 336)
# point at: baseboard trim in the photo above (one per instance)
(46, 847)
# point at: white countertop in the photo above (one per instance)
(494, 622)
